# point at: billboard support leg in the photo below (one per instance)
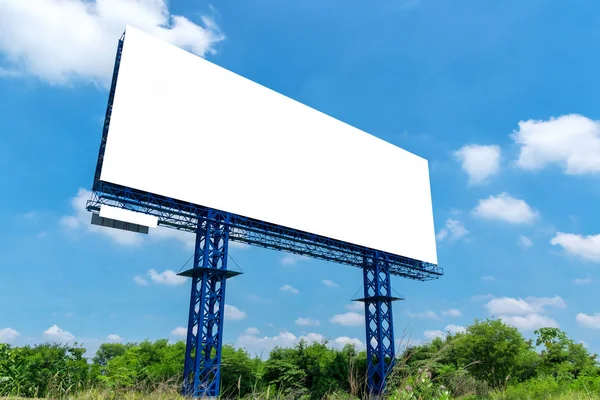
(202, 366)
(378, 322)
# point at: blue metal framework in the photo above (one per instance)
(379, 322)
(202, 367)
(213, 230)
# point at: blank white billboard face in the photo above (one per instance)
(187, 129)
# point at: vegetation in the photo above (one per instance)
(489, 361)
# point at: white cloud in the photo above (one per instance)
(233, 313)
(588, 321)
(167, 277)
(506, 208)
(252, 331)
(356, 306)
(530, 322)
(348, 319)
(529, 305)
(426, 315)
(74, 40)
(453, 230)
(307, 322)
(585, 247)
(289, 289)
(187, 239)
(582, 281)
(453, 312)
(479, 162)
(329, 283)
(455, 329)
(341, 341)
(524, 241)
(55, 333)
(179, 331)
(255, 344)
(571, 141)
(488, 278)
(8, 335)
(80, 219)
(263, 345)
(436, 333)
(114, 338)
(140, 281)
(432, 334)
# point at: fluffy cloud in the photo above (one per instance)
(504, 207)
(356, 306)
(179, 331)
(585, 247)
(252, 331)
(524, 241)
(329, 283)
(233, 313)
(453, 312)
(80, 221)
(54, 333)
(530, 322)
(167, 277)
(479, 162)
(348, 319)
(432, 334)
(529, 305)
(455, 329)
(436, 333)
(289, 289)
(582, 281)
(571, 141)
(263, 345)
(114, 338)
(341, 341)
(588, 321)
(8, 335)
(140, 281)
(453, 230)
(525, 313)
(307, 322)
(75, 40)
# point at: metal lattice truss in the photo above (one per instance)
(379, 323)
(185, 216)
(207, 307)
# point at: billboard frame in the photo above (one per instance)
(214, 228)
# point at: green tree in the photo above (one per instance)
(561, 356)
(492, 349)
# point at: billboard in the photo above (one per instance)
(185, 128)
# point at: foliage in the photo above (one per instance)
(43, 370)
(489, 361)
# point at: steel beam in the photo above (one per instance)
(202, 366)
(179, 215)
(379, 322)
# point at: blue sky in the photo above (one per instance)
(499, 96)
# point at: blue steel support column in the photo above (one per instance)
(379, 323)
(202, 367)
